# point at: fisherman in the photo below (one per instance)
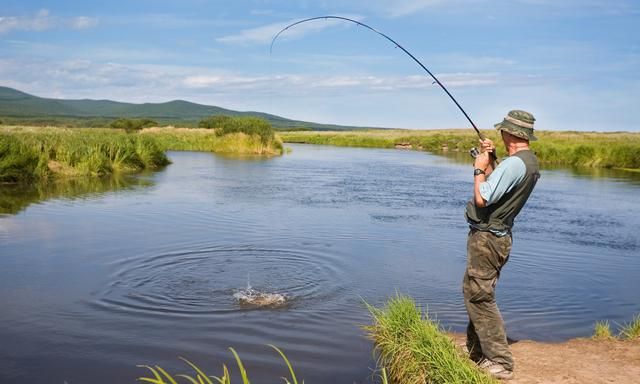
(499, 193)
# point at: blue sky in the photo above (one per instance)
(575, 64)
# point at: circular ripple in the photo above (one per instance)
(204, 281)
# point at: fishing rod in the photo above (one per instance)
(480, 135)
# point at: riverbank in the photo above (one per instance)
(34, 153)
(414, 349)
(575, 361)
(619, 150)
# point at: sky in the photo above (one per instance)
(574, 64)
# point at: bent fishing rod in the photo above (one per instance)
(480, 135)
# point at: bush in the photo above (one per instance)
(213, 122)
(133, 124)
(225, 125)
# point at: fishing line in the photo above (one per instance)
(397, 45)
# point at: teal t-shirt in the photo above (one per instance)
(509, 173)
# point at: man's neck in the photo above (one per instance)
(517, 147)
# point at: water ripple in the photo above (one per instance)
(203, 282)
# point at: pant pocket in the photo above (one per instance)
(478, 289)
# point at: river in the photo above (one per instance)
(97, 277)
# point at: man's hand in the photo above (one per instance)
(482, 161)
(487, 145)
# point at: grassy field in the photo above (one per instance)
(35, 153)
(578, 149)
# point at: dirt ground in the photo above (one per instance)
(576, 362)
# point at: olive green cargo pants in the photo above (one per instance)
(486, 335)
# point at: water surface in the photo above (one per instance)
(97, 281)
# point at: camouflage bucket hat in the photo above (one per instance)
(519, 124)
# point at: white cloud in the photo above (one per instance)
(43, 20)
(408, 7)
(143, 83)
(83, 22)
(265, 33)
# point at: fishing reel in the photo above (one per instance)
(474, 152)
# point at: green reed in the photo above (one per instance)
(631, 330)
(413, 349)
(161, 376)
(76, 152)
(602, 331)
(627, 331)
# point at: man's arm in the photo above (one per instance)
(482, 163)
(490, 189)
(485, 162)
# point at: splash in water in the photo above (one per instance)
(255, 298)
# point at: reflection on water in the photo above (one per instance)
(16, 197)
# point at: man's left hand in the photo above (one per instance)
(482, 161)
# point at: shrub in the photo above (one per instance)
(213, 122)
(225, 125)
(133, 124)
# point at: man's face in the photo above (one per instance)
(505, 140)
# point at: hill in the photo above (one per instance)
(22, 106)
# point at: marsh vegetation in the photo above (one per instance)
(30, 153)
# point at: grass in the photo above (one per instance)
(413, 349)
(602, 331)
(619, 150)
(628, 331)
(161, 376)
(631, 330)
(186, 139)
(28, 153)
(31, 154)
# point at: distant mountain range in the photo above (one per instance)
(21, 105)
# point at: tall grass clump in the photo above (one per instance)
(18, 162)
(161, 376)
(602, 331)
(631, 330)
(414, 350)
(49, 152)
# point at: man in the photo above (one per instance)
(499, 193)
